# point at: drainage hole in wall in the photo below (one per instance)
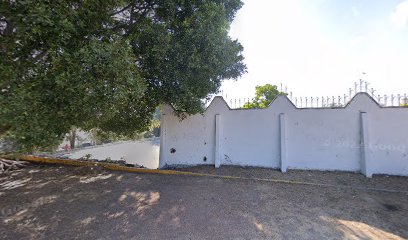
(172, 150)
(205, 159)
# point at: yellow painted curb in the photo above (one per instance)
(110, 166)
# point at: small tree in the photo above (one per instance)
(264, 95)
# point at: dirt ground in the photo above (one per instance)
(55, 202)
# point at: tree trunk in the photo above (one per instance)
(72, 138)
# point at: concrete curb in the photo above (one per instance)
(115, 167)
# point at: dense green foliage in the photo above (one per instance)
(264, 95)
(108, 64)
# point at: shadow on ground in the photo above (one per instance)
(42, 202)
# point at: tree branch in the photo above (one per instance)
(9, 28)
(122, 10)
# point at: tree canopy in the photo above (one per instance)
(264, 95)
(108, 64)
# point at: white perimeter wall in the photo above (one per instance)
(359, 137)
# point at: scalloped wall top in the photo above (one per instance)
(361, 99)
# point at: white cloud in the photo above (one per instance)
(355, 11)
(399, 17)
(358, 40)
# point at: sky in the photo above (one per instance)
(321, 47)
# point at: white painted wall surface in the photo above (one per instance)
(143, 152)
(320, 138)
(389, 152)
(190, 146)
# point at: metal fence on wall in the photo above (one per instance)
(385, 100)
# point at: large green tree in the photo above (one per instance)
(264, 95)
(108, 64)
